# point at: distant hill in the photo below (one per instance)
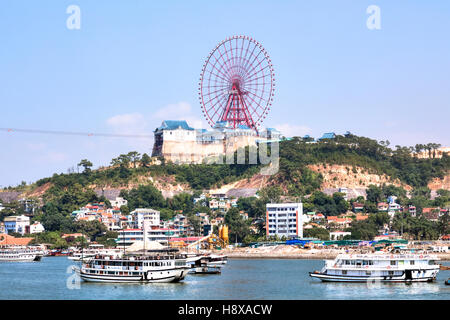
(345, 161)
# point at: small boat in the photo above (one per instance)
(447, 282)
(216, 259)
(202, 266)
(379, 267)
(442, 267)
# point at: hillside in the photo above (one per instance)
(346, 161)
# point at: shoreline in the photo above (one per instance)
(445, 257)
(284, 252)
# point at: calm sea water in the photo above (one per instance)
(240, 279)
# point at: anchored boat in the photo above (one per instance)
(20, 254)
(165, 265)
(379, 267)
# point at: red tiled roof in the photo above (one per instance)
(6, 239)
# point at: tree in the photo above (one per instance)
(238, 227)
(92, 229)
(319, 233)
(86, 164)
(134, 157)
(145, 160)
(271, 194)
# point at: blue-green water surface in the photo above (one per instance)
(283, 279)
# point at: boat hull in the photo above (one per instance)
(361, 279)
(173, 275)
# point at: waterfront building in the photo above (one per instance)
(284, 219)
(18, 224)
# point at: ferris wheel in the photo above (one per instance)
(237, 83)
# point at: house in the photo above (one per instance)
(327, 135)
(382, 206)
(18, 224)
(361, 217)
(412, 211)
(358, 207)
(36, 227)
(339, 235)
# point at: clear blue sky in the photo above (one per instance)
(134, 63)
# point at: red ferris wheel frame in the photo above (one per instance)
(237, 83)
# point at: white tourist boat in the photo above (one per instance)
(20, 254)
(165, 265)
(379, 267)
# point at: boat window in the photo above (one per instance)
(391, 273)
(344, 271)
(368, 273)
(393, 262)
(431, 262)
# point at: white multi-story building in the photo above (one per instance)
(128, 236)
(18, 224)
(151, 217)
(284, 219)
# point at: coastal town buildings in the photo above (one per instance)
(284, 219)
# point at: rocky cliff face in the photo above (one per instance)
(336, 176)
(436, 183)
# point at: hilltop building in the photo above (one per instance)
(177, 142)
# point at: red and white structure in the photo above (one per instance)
(237, 83)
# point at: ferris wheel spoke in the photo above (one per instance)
(212, 99)
(254, 110)
(226, 76)
(260, 77)
(259, 70)
(251, 54)
(215, 74)
(225, 63)
(213, 92)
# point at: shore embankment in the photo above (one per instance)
(293, 252)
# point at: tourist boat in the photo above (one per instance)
(164, 265)
(20, 254)
(379, 267)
